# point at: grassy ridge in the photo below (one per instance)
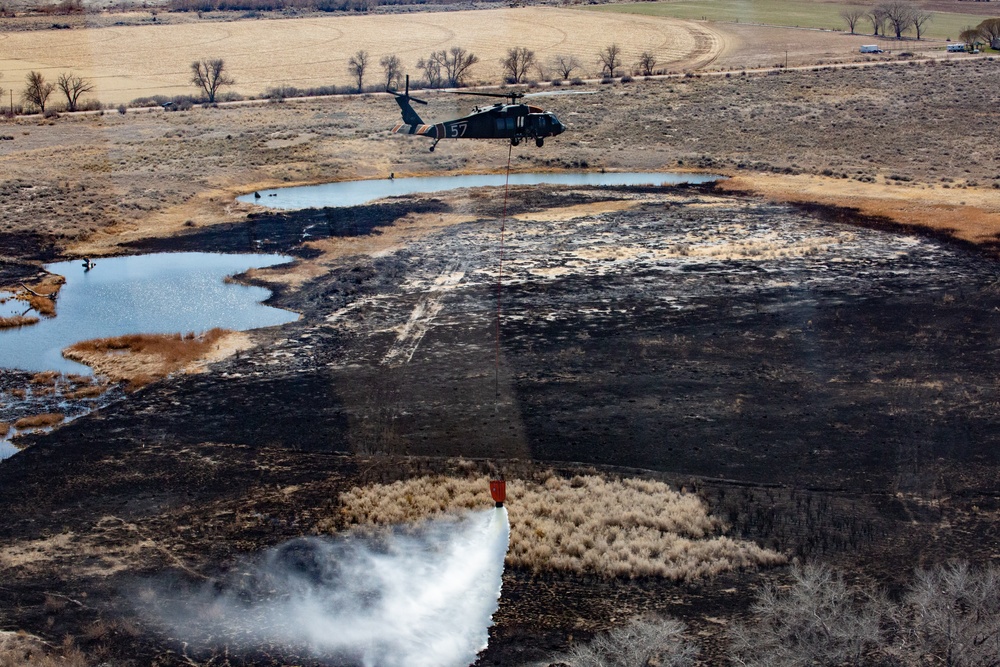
(791, 13)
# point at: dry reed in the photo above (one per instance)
(142, 358)
(44, 420)
(17, 321)
(614, 528)
(47, 378)
(86, 392)
(19, 649)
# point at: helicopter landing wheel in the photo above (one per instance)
(514, 141)
(539, 142)
(432, 149)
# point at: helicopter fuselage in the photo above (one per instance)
(499, 121)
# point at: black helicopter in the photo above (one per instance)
(514, 121)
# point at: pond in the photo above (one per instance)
(156, 293)
(355, 193)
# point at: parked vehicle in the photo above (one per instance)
(870, 48)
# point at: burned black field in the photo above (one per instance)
(829, 389)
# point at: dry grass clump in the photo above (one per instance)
(587, 524)
(139, 359)
(92, 391)
(19, 649)
(17, 321)
(42, 295)
(4, 429)
(46, 378)
(44, 420)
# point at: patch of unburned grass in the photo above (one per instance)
(92, 391)
(19, 649)
(46, 378)
(17, 321)
(4, 429)
(583, 525)
(44, 420)
(139, 359)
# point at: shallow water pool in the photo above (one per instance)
(355, 193)
(156, 293)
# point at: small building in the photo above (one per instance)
(956, 48)
(870, 48)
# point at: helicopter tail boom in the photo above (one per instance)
(432, 131)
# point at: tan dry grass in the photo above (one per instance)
(17, 321)
(4, 429)
(139, 359)
(47, 378)
(105, 557)
(588, 524)
(44, 420)
(967, 215)
(20, 649)
(126, 62)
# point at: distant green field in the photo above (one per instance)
(792, 13)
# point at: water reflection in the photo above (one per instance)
(157, 293)
(355, 193)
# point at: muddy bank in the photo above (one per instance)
(828, 389)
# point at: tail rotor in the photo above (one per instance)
(403, 99)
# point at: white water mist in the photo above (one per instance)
(422, 597)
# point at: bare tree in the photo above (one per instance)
(953, 613)
(647, 63)
(392, 70)
(971, 36)
(816, 621)
(899, 14)
(356, 65)
(610, 59)
(517, 63)
(641, 642)
(432, 70)
(565, 65)
(852, 16)
(919, 20)
(210, 76)
(73, 87)
(454, 64)
(876, 16)
(36, 90)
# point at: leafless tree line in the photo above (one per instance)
(37, 90)
(452, 67)
(949, 615)
(896, 15)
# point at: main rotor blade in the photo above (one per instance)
(503, 96)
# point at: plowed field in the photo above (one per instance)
(126, 62)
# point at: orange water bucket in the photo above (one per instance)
(498, 489)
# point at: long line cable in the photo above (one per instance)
(503, 226)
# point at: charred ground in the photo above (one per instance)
(825, 387)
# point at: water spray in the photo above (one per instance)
(416, 596)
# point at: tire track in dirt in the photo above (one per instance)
(423, 314)
(709, 46)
